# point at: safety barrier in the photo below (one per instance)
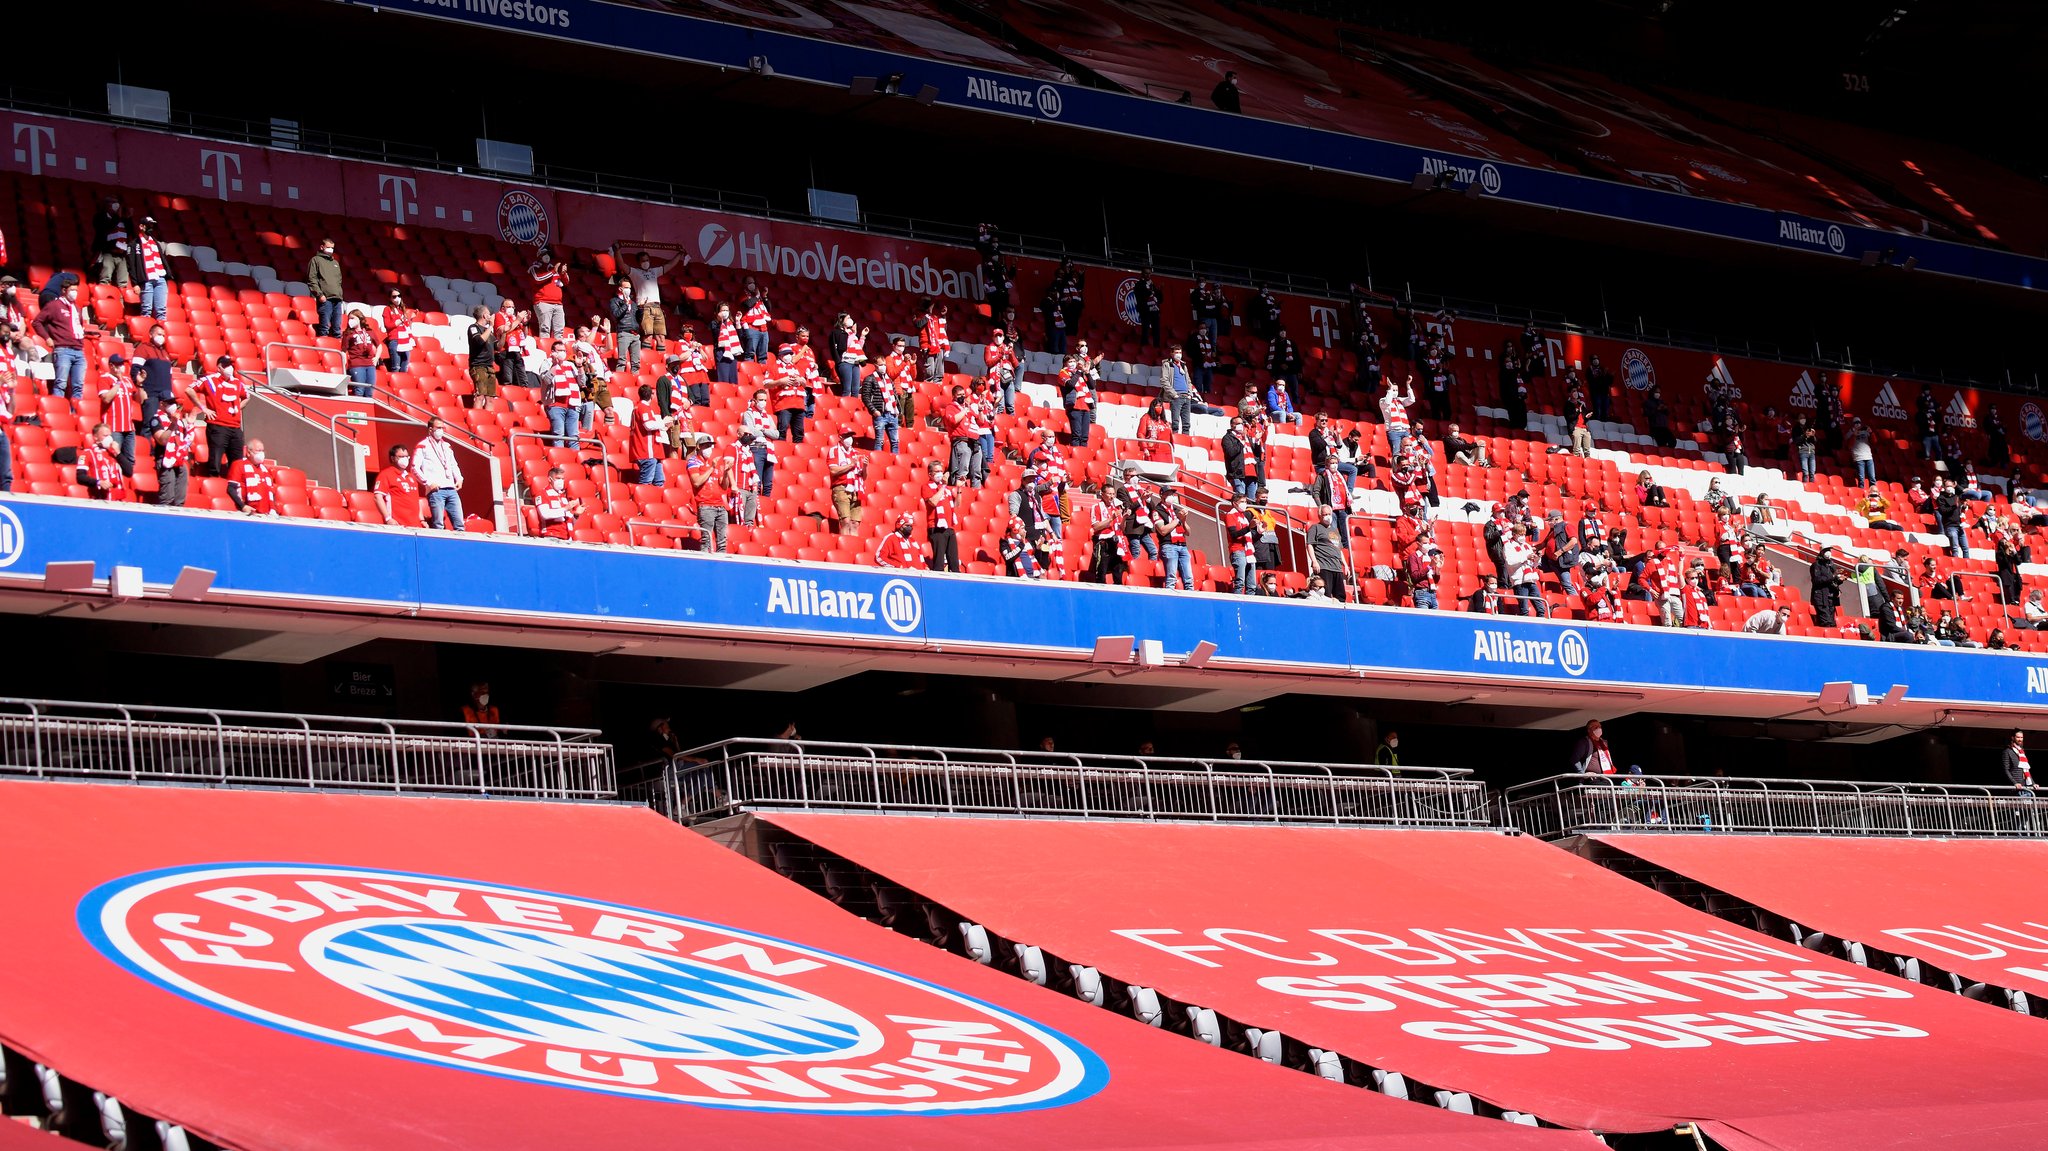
(803, 775)
(1570, 804)
(53, 738)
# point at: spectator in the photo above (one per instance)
(1591, 756)
(433, 462)
(150, 270)
(252, 482)
(1485, 599)
(323, 277)
(99, 468)
(1004, 371)
(1326, 547)
(1950, 514)
(1394, 414)
(650, 430)
(1269, 585)
(1658, 416)
(1650, 493)
(898, 550)
(2018, 772)
(556, 509)
(791, 392)
(1769, 621)
(1155, 434)
(398, 339)
(728, 346)
(1950, 632)
(2010, 553)
(1280, 406)
(1138, 524)
(932, 342)
(2034, 612)
(1806, 447)
(565, 396)
(359, 353)
(1283, 363)
(1518, 559)
(1461, 450)
(1388, 753)
(1876, 510)
(1600, 389)
(1996, 641)
(981, 420)
(1225, 94)
(515, 342)
(120, 402)
(744, 502)
(709, 484)
(176, 433)
(1578, 409)
(1108, 560)
(1997, 451)
(549, 276)
(1234, 457)
(1891, 619)
(645, 278)
(1860, 452)
(151, 370)
(62, 323)
(398, 490)
(624, 316)
(1018, 560)
(1077, 393)
(110, 244)
(219, 398)
(479, 712)
(847, 467)
(1933, 585)
(1172, 526)
(1147, 301)
(1237, 529)
(1422, 569)
(941, 517)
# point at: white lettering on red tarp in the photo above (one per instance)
(1738, 1003)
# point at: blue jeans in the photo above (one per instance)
(1147, 543)
(1081, 420)
(330, 317)
(1959, 546)
(1424, 597)
(401, 361)
(70, 379)
(849, 378)
(700, 394)
(755, 343)
(156, 300)
(982, 461)
(1394, 438)
(764, 463)
(1241, 562)
(1243, 486)
(363, 381)
(1866, 471)
(6, 462)
(650, 473)
(1530, 598)
(790, 422)
(1177, 405)
(444, 505)
(887, 426)
(1806, 462)
(1009, 394)
(562, 422)
(1349, 471)
(1174, 557)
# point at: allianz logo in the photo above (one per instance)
(897, 605)
(2037, 681)
(1567, 653)
(1831, 237)
(1044, 99)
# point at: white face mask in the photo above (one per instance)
(561, 485)
(484, 700)
(440, 433)
(257, 456)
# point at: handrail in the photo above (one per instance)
(731, 776)
(67, 738)
(1565, 805)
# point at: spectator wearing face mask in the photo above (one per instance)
(1388, 754)
(1591, 755)
(479, 712)
(398, 490)
(62, 324)
(150, 270)
(433, 461)
(556, 508)
(252, 482)
(219, 398)
(323, 276)
(897, 550)
(359, 351)
(99, 468)
(175, 433)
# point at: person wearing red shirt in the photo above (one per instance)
(933, 342)
(1106, 527)
(709, 482)
(565, 396)
(900, 368)
(806, 363)
(398, 341)
(1077, 389)
(252, 482)
(789, 392)
(941, 518)
(1003, 370)
(650, 429)
(1237, 526)
(120, 401)
(848, 468)
(755, 320)
(957, 419)
(219, 398)
(99, 472)
(1155, 434)
(897, 549)
(549, 277)
(398, 490)
(556, 508)
(175, 435)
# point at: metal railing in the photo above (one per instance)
(1570, 804)
(68, 739)
(805, 775)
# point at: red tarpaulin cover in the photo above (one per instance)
(1976, 907)
(321, 972)
(1489, 963)
(15, 1136)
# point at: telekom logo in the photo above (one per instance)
(40, 148)
(225, 174)
(400, 196)
(1322, 324)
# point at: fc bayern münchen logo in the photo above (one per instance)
(575, 992)
(522, 218)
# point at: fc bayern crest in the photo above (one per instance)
(1637, 371)
(522, 218)
(1127, 300)
(574, 992)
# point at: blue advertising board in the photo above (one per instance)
(462, 577)
(648, 31)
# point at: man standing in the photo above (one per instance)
(252, 482)
(650, 428)
(483, 352)
(1326, 543)
(151, 271)
(550, 276)
(218, 398)
(1147, 300)
(61, 324)
(565, 396)
(1591, 755)
(1394, 414)
(1077, 387)
(709, 482)
(433, 462)
(847, 466)
(963, 443)
(625, 317)
(645, 278)
(1237, 527)
(1283, 361)
(119, 406)
(110, 244)
(933, 341)
(398, 490)
(1177, 384)
(941, 512)
(175, 434)
(1225, 94)
(2018, 771)
(323, 276)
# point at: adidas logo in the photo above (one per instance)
(1886, 405)
(1802, 392)
(1959, 413)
